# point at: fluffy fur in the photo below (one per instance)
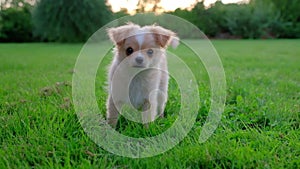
(139, 48)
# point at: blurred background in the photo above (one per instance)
(76, 20)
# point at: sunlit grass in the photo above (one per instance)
(259, 128)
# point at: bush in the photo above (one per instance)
(15, 25)
(249, 21)
(284, 29)
(287, 22)
(69, 20)
(210, 21)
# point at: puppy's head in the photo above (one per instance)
(142, 46)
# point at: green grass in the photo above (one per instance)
(260, 127)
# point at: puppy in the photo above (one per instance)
(138, 75)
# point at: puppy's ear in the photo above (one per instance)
(119, 34)
(174, 42)
(112, 34)
(165, 37)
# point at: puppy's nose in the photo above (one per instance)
(139, 60)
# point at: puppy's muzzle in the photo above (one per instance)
(139, 60)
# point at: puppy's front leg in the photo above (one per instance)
(146, 116)
(149, 110)
(112, 113)
(161, 103)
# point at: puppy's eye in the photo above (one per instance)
(129, 51)
(150, 52)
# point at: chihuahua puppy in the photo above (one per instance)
(138, 75)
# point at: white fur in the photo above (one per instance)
(140, 39)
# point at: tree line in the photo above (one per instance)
(77, 20)
(258, 19)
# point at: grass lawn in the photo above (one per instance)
(260, 127)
